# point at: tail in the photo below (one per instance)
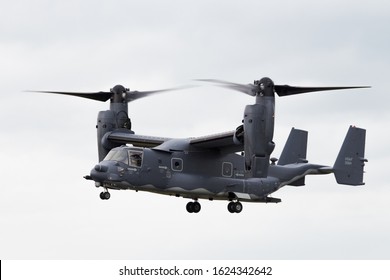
(294, 151)
(349, 165)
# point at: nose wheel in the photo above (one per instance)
(193, 207)
(105, 195)
(234, 207)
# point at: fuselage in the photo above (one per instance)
(196, 174)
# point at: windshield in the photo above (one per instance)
(118, 155)
(131, 157)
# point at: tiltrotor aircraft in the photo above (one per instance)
(235, 166)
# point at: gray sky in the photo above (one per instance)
(47, 210)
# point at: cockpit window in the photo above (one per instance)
(118, 155)
(131, 157)
(135, 158)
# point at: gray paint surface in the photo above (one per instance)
(53, 213)
(206, 167)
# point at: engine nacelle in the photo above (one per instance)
(258, 131)
(107, 122)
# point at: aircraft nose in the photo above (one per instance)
(99, 173)
(101, 168)
(104, 172)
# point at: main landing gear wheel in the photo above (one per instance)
(105, 195)
(235, 207)
(193, 207)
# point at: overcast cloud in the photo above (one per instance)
(48, 143)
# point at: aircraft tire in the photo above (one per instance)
(190, 207)
(234, 207)
(237, 207)
(230, 207)
(105, 195)
(196, 207)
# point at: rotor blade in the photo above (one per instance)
(247, 89)
(134, 95)
(99, 96)
(284, 90)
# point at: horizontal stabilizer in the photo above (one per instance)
(349, 165)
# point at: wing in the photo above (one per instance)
(136, 140)
(222, 141)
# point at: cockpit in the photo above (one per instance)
(130, 156)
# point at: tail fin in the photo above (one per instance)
(349, 165)
(294, 151)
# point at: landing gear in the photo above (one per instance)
(235, 207)
(193, 207)
(105, 195)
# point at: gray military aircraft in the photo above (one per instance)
(235, 166)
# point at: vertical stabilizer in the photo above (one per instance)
(294, 150)
(349, 166)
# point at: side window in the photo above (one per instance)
(177, 164)
(227, 169)
(135, 158)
